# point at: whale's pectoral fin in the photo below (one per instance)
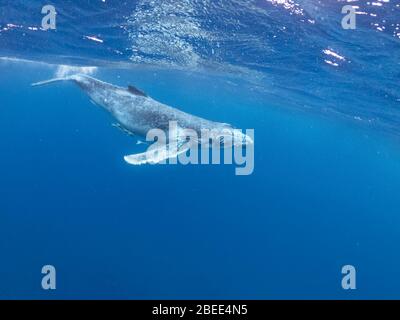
(158, 154)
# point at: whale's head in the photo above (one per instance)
(228, 136)
(242, 139)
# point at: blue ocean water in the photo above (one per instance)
(324, 104)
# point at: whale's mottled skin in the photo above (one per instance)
(139, 113)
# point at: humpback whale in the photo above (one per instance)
(137, 113)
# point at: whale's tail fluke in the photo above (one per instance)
(46, 82)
